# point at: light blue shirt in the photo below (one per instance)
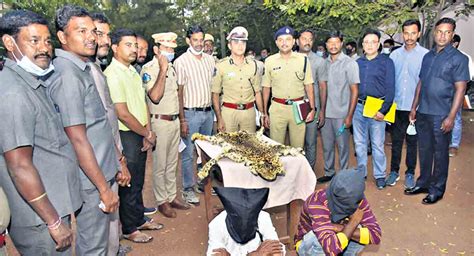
(407, 71)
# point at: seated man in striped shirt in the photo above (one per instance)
(337, 220)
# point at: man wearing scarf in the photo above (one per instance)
(243, 228)
(337, 220)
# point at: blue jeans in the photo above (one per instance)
(457, 131)
(310, 142)
(201, 122)
(310, 246)
(362, 127)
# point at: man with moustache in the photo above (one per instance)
(102, 24)
(128, 95)
(319, 72)
(377, 80)
(351, 50)
(159, 80)
(343, 79)
(288, 77)
(194, 71)
(238, 82)
(84, 118)
(142, 52)
(407, 60)
(438, 96)
(38, 169)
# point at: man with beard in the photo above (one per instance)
(407, 60)
(343, 77)
(137, 138)
(142, 52)
(438, 97)
(159, 80)
(85, 121)
(194, 72)
(319, 72)
(102, 24)
(38, 167)
(238, 82)
(337, 220)
(288, 78)
(351, 50)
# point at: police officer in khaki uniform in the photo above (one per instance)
(159, 80)
(238, 80)
(287, 76)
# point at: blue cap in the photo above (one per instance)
(286, 30)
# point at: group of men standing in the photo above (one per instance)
(75, 138)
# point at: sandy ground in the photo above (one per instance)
(408, 227)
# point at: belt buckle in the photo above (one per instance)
(240, 106)
(288, 102)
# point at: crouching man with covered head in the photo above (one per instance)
(243, 228)
(337, 220)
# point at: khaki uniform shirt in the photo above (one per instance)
(237, 83)
(287, 77)
(168, 104)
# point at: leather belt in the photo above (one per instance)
(286, 101)
(361, 101)
(238, 106)
(164, 117)
(199, 109)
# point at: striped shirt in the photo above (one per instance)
(195, 75)
(316, 217)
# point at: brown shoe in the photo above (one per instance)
(166, 210)
(453, 152)
(176, 203)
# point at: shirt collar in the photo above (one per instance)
(449, 48)
(30, 79)
(118, 64)
(292, 55)
(363, 57)
(339, 57)
(71, 57)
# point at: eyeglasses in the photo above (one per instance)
(446, 32)
(370, 42)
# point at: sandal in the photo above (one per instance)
(150, 225)
(138, 237)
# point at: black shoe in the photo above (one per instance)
(325, 179)
(431, 199)
(415, 191)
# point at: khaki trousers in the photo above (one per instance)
(281, 118)
(165, 159)
(239, 120)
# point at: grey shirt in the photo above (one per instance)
(319, 72)
(343, 72)
(76, 98)
(29, 119)
(104, 93)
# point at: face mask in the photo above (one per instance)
(320, 53)
(411, 130)
(191, 49)
(168, 55)
(30, 67)
(348, 51)
(386, 50)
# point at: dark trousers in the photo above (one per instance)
(131, 200)
(399, 134)
(434, 153)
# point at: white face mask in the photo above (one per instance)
(29, 66)
(168, 55)
(386, 50)
(191, 49)
(411, 130)
(320, 53)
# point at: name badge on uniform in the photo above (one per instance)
(276, 68)
(231, 74)
(146, 78)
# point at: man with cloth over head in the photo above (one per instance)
(243, 228)
(288, 77)
(238, 80)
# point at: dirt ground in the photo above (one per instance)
(408, 227)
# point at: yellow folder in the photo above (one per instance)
(373, 105)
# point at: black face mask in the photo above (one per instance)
(349, 51)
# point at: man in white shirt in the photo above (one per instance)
(243, 228)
